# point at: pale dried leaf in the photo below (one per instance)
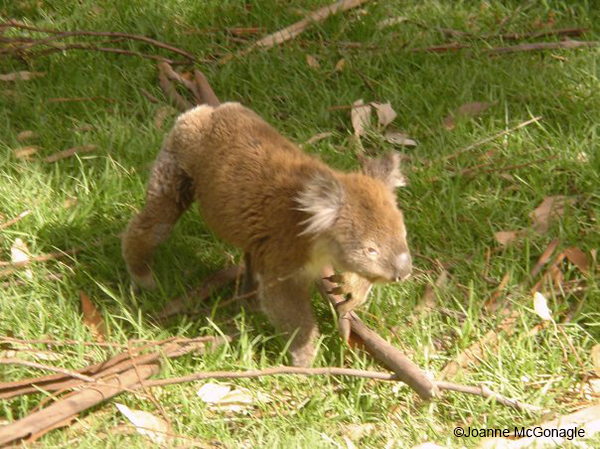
(583, 157)
(540, 305)
(318, 137)
(595, 386)
(339, 66)
(312, 61)
(398, 138)
(92, 317)
(19, 253)
(390, 22)
(212, 393)
(551, 207)
(24, 135)
(357, 431)
(385, 113)
(146, 423)
(23, 76)
(578, 258)
(506, 237)
(25, 152)
(596, 359)
(69, 202)
(471, 109)
(224, 397)
(361, 117)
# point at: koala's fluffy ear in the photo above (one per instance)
(322, 198)
(387, 169)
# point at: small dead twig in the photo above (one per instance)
(75, 375)
(14, 220)
(165, 84)
(42, 258)
(540, 46)
(69, 152)
(78, 99)
(538, 34)
(489, 139)
(65, 34)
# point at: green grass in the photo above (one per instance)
(451, 219)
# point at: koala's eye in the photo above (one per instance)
(372, 251)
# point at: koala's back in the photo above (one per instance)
(246, 178)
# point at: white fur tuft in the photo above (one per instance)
(322, 199)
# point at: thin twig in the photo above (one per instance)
(69, 152)
(14, 220)
(538, 34)
(491, 138)
(137, 37)
(487, 393)
(15, 361)
(42, 258)
(54, 48)
(539, 46)
(328, 371)
(165, 84)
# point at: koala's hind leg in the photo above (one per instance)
(287, 304)
(169, 194)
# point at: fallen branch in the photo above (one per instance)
(40, 422)
(540, 46)
(297, 28)
(169, 90)
(379, 348)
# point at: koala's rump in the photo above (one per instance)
(246, 178)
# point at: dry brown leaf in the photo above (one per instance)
(160, 116)
(69, 152)
(471, 109)
(385, 113)
(23, 76)
(69, 202)
(540, 306)
(24, 135)
(545, 257)
(25, 152)
(551, 207)
(318, 137)
(339, 66)
(312, 61)
(428, 300)
(398, 138)
(578, 258)
(506, 237)
(92, 318)
(156, 429)
(361, 117)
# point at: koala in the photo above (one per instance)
(289, 212)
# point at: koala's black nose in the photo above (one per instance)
(403, 266)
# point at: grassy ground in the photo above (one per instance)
(451, 219)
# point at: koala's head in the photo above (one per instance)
(357, 217)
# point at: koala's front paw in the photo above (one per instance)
(144, 279)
